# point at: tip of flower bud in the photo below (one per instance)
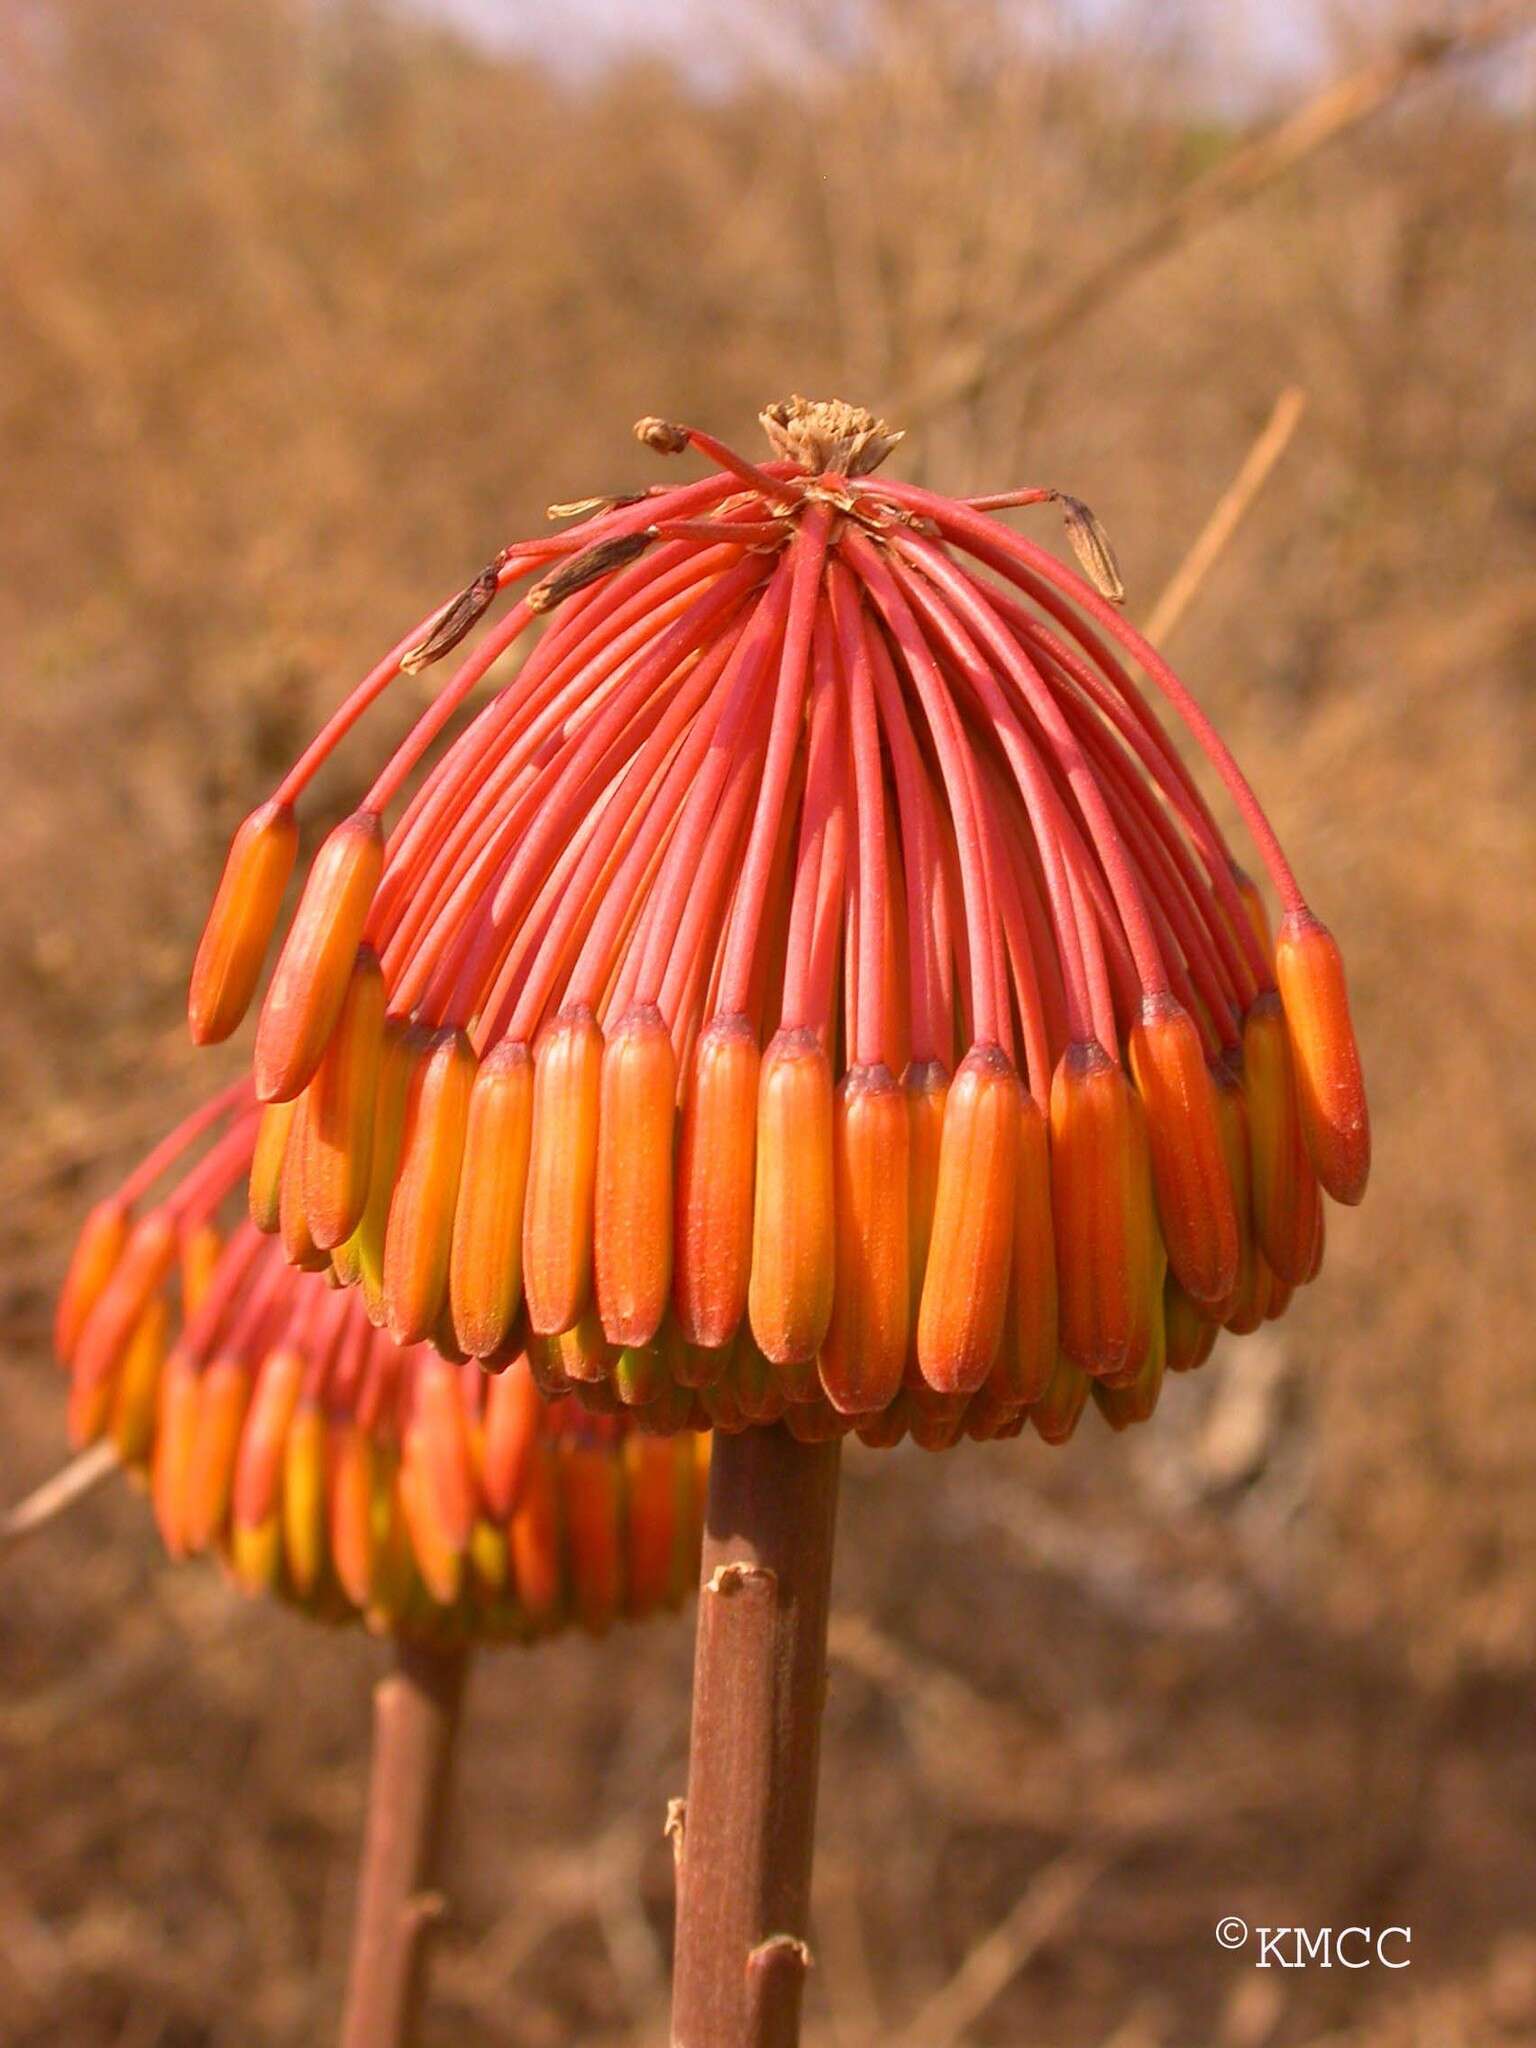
(1334, 1118)
(92, 1264)
(241, 922)
(338, 1124)
(662, 437)
(310, 980)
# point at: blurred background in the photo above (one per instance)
(308, 305)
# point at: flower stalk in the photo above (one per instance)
(749, 1823)
(417, 1709)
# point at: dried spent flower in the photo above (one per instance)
(812, 986)
(325, 1463)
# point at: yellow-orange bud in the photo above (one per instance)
(1189, 1169)
(259, 1468)
(338, 1129)
(927, 1089)
(309, 983)
(241, 922)
(419, 1237)
(1133, 1400)
(485, 1268)
(1188, 1335)
(789, 1297)
(299, 1247)
(303, 1502)
(589, 1478)
(1334, 1116)
(513, 1419)
(1055, 1415)
(632, 1226)
(534, 1540)
(1026, 1358)
(965, 1287)
(137, 1395)
(223, 1390)
(715, 1172)
(1101, 1193)
(92, 1264)
(201, 1249)
(405, 1047)
(147, 1258)
(865, 1351)
(175, 1428)
(438, 1440)
(654, 1517)
(1285, 1191)
(267, 1157)
(350, 1502)
(557, 1219)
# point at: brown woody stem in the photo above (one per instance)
(415, 1720)
(759, 1678)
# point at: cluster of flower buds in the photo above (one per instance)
(812, 984)
(279, 1430)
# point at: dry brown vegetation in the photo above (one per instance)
(307, 311)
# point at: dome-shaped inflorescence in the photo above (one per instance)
(281, 1431)
(812, 985)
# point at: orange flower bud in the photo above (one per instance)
(309, 983)
(589, 1488)
(338, 1130)
(1055, 1415)
(1134, 1400)
(1026, 1358)
(299, 1247)
(927, 1089)
(136, 1400)
(754, 1381)
(1188, 1335)
(438, 1559)
(256, 1555)
(271, 1149)
(92, 1264)
(351, 1494)
(1334, 1116)
(715, 1167)
(1232, 1116)
(1285, 1191)
(419, 1237)
(175, 1427)
(222, 1393)
(965, 1287)
(1101, 1193)
(579, 1356)
(259, 1468)
(405, 1048)
(533, 1537)
(201, 1249)
(789, 1298)
(557, 1222)
(654, 1519)
(513, 1419)
(241, 922)
(485, 1268)
(147, 1258)
(438, 1444)
(865, 1350)
(632, 1228)
(1189, 1169)
(303, 1503)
